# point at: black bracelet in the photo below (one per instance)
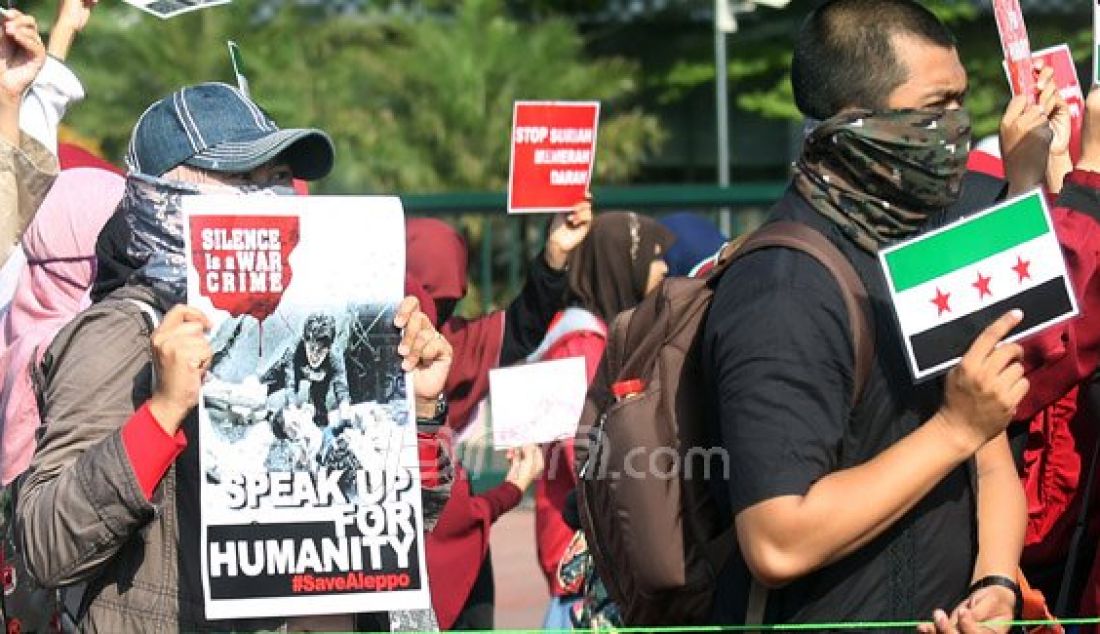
(1003, 582)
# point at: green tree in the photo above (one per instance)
(416, 101)
(440, 94)
(760, 58)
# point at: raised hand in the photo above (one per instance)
(181, 356)
(72, 17)
(425, 352)
(22, 55)
(567, 231)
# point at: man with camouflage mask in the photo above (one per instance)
(865, 511)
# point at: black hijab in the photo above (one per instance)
(608, 272)
(114, 265)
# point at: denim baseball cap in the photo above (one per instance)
(215, 127)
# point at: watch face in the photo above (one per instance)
(440, 406)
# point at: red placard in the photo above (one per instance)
(1016, 46)
(1060, 58)
(1065, 77)
(553, 151)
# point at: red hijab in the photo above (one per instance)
(436, 257)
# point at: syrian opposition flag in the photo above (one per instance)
(948, 285)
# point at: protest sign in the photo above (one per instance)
(949, 285)
(165, 9)
(1016, 47)
(1060, 58)
(537, 403)
(311, 488)
(553, 152)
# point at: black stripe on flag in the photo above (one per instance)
(947, 341)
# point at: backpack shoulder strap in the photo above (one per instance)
(152, 316)
(800, 237)
(150, 312)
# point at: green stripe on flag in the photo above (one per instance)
(968, 243)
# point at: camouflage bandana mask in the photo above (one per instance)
(880, 175)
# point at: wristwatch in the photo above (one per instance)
(439, 418)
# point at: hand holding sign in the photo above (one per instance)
(567, 231)
(424, 351)
(1025, 144)
(1035, 138)
(181, 356)
(1090, 134)
(983, 391)
(528, 464)
(1065, 114)
(1060, 98)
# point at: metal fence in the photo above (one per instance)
(502, 245)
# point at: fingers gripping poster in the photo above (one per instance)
(311, 492)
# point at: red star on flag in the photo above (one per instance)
(1022, 268)
(982, 285)
(941, 301)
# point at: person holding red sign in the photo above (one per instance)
(620, 263)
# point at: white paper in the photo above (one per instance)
(311, 491)
(537, 403)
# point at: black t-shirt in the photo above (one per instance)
(778, 358)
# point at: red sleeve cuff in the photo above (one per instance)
(1085, 178)
(150, 449)
(502, 499)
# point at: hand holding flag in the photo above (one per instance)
(982, 392)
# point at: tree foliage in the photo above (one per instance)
(760, 58)
(418, 99)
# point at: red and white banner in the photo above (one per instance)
(1016, 46)
(553, 152)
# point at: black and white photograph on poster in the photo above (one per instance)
(311, 494)
(165, 9)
